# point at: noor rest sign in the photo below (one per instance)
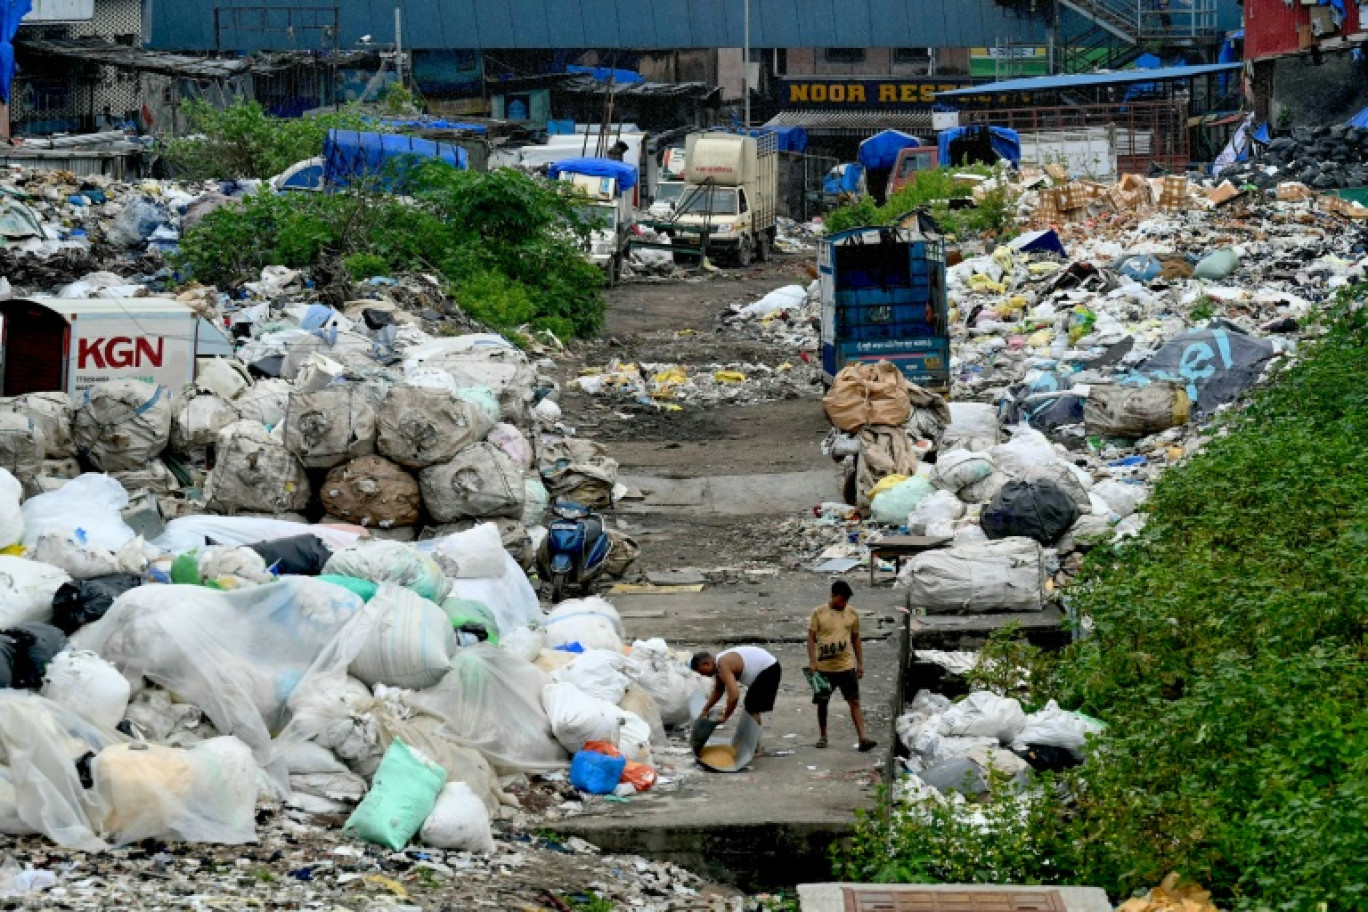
(854, 93)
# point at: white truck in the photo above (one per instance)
(609, 185)
(670, 187)
(728, 206)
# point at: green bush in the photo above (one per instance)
(932, 191)
(1228, 658)
(508, 246)
(243, 141)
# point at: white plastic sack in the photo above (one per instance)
(1028, 450)
(196, 424)
(459, 821)
(935, 516)
(11, 514)
(87, 684)
(329, 426)
(91, 503)
(123, 424)
(265, 402)
(668, 679)
(480, 359)
(53, 414)
(11, 824)
(491, 701)
(634, 738)
(83, 560)
(476, 554)
(22, 446)
(893, 506)
(640, 703)
(1055, 727)
(523, 642)
(1121, 498)
(1004, 575)
(479, 482)
(397, 563)
(233, 567)
(411, 645)
(236, 655)
(204, 794)
(592, 622)
(790, 297)
(985, 715)
(971, 421)
(420, 427)
(509, 596)
(254, 473)
(960, 468)
(26, 590)
(226, 378)
(577, 718)
(191, 532)
(600, 673)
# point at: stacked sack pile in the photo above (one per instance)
(153, 685)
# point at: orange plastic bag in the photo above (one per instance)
(639, 775)
(607, 748)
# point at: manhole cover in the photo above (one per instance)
(860, 900)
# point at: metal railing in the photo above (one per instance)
(1146, 132)
(1151, 20)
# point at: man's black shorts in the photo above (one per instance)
(761, 694)
(847, 682)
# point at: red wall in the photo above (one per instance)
(1271, 26)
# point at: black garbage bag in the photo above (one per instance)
(1038, 509)
(82, 602)
(702, 730)
(1045, 758)
(9, 654)
(298, 555)
(34, 647)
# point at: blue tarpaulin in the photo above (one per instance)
(350, 156)
(881, 150)
(1006, 143)
(843, 179)
(437, 125)
(11, 11)
(601, 74)
(1360, 119)
(625, 174)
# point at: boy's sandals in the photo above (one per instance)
(821, 742)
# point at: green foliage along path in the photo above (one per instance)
(1228, 659)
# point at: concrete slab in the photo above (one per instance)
(686, 577)
(731, 495)
(773, 823)
(970, 631)
(835, 897)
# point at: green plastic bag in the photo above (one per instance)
(892, 507)
(185, 569)
(401, 797)
(462, 612)
(482, 396)
(364, 588)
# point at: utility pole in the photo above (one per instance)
(399, 44)
(745, 62)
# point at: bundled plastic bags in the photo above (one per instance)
(401, 798)
(600, 673)
(591, 622)
(329, 426)
(1055, 727)
(1006, 575)
(411, 645)
(87, 684)
(22, 447)
(372, 491)
(577, 718)
(27, 589)
(477, 483)
(476, 554)
(11, 514)
(985, 715)
(82, 560)
(122, 425)
(864, 394)
(459, 821)
(391, 562)
(893, 506)
(254, 473)
(196, 424)
(90, 503)
(423, 426)
(668, 679)
(958, 469)
(206, 793)
(1040, 510)
(935, 516)
(491, 701)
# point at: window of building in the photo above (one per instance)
(911, 55)
(843, 55)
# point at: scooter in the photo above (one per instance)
(575, 549)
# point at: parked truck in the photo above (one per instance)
(608, 184)
(728, 207)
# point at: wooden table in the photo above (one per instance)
(899, 547)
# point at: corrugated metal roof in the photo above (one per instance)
(1057, 83)
(864, 122)
(122, 56)
(186, 25)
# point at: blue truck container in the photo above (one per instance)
(883, 299)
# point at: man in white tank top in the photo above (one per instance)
(741, 665)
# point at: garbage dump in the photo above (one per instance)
(1087, 356)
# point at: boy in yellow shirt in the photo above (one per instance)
(835, 652)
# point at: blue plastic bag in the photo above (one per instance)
(597, 774)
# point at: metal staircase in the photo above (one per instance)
(1122, 29)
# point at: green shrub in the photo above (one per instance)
(243, 141)
(932, 191)
(508, 246)
(1228, 659)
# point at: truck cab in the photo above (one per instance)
(911, 162)
(728, 203)
(670, 187)
(883, 299)
(608, 210)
